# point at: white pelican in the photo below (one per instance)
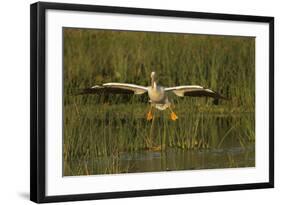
(157, 94)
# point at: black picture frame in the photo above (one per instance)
(38, 101)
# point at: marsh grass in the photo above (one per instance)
(99, 126)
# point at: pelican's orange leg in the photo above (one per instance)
(149, 115)
(173, 115)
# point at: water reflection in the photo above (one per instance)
(177, 159)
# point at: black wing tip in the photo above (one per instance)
(219, 96)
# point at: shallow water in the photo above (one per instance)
(178, 159)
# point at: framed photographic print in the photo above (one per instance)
(129, 102)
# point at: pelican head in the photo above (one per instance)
(153, 82)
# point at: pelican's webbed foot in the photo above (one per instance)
(173, 116)
(149, 116)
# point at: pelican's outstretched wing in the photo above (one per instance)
(194, 91)
(115, 88)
